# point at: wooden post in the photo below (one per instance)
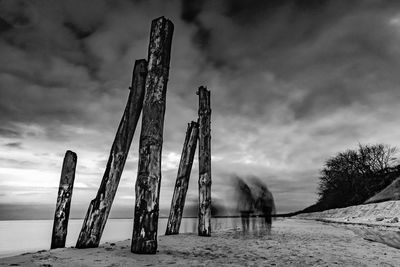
(99, 208)
(64, 197)
(144, 237)
(182, 180)
(204, 227)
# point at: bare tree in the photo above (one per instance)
(352, 176)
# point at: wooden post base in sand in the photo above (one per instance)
(182, 180)
(204, 227)
(99, 208)
(61, 216)
(147, 190)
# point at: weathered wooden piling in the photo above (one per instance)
(182, 179)
(204, 226)
(144, 237)
(100, 207)
(61, 215)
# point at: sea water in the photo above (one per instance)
(22, 236)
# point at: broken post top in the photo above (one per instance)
(71, 154)
(69, 165)
(204, 100)
(192, 124)
(140, 68)
(160, 34)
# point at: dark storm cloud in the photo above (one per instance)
(14, 145)
(248, 12)
(45, 49)
(190, 14)
(83, 18)
(4, 25)
(258, 52)
(21, 15)
(209, 17)
(80, 33)
(58, 57)
(9, 133)
(15, 163)
(191, 10)
(314, 57)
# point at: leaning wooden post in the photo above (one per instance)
(61, 216)
(182, 180)
(144, 237)
(100, 207)
(204, 227)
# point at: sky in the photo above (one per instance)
(293, 82)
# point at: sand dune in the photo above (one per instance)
(291, 243)
(391, 192)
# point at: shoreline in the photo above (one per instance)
(293, 242)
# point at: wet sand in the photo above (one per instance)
(293, 242)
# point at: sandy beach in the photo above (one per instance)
(293, 242)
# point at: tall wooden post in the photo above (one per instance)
(182, 180)
(61, 216)
(100, 207)
(204, 227)
(144, 237)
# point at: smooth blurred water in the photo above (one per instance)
(21, 236)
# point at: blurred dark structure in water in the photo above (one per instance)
(264, 202)
(254, 200)
(245, 204)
